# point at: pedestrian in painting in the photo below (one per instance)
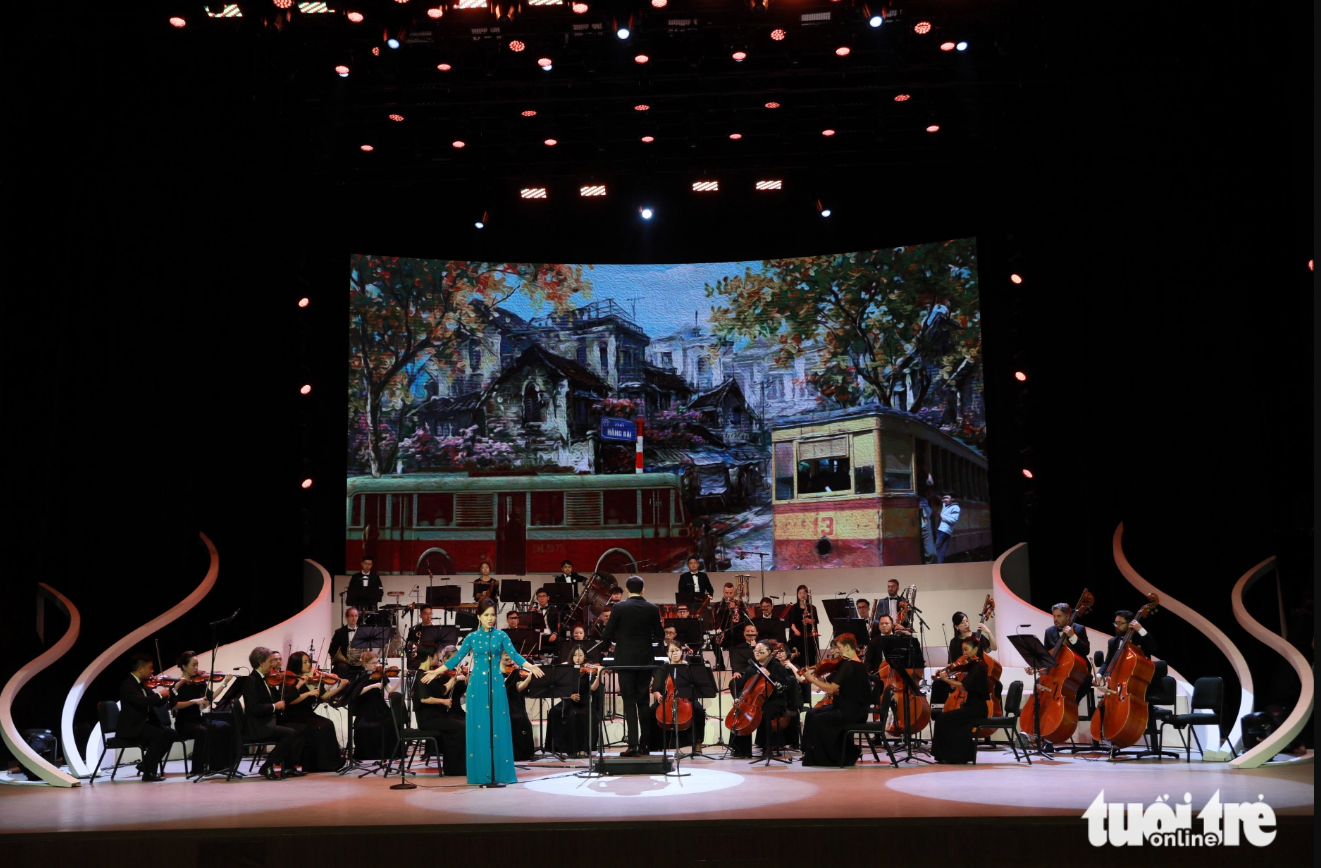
(928, 530)
(949, 517)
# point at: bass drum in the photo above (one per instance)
(593, 600)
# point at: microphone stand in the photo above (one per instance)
(493, 784)
(674, 719)
(206, 719)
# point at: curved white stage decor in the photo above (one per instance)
(32, 761)
(77, 763)
(1211, 631)
(1297, 719)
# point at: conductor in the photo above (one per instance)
(634, 628)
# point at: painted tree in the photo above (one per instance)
(405, 311)
(866, 313)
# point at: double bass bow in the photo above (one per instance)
(1121, 715)
(1055, 703)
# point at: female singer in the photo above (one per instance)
(320, 744)
(695, 734)
(524, 745)
(568, 728)
(802, 623)
(823, 731)
(188, 699)
(952, 735)
(489, 735)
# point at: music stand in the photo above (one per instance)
(560, 593)
(854, 625)
(703, 686)
(524, 639)
(838, 609)
(443, 596)
(558, 682)
(439, 635)
(1034, 654)
(687, 630)
(912, 694)
(361, 597)
(770, 628)
(693, 602)
(683, 689)
(515, 591)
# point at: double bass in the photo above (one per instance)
(994, 670)
(1056, 699)
(1121, 715)
(912, 711)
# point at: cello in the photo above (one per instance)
(745, 715)
(1056, 699)
(1121, 715)
(912, 711)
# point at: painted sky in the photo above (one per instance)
(663, 297)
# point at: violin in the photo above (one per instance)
(824, 670)
(507, 668)
(204, 677)
(382, 671)
(156, 681)
(959, 668)
(279, 677)
(590, 668)
(1053, 710)
(1121, 715)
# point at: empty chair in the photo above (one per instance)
(1208, 693)
(1008, 722)
(107, 712)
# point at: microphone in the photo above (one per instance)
(223, 621)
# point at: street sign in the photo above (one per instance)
(623, 430)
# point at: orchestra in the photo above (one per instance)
(773, 654)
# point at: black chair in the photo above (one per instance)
(1162, 691)
(107, 712)
(1008, 721)
(872, 729)
(407, 739)
(240, 743)
(163, 718)
(1207, 693)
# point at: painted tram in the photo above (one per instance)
(524, 523)
(853, 478)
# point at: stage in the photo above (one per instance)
(724, 811)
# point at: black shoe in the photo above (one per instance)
(628, 753)
(151, 779)
(270, 774)
(293, 773)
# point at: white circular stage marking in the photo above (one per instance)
(625, 786)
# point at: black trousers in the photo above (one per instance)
(210, 751)
(635, 689)
(156, 742)
(288, 749)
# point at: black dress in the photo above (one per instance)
(373, 732)
(784, 701)
(952, 733)
(213, 747)
(823, 732)
(321, 751)
(569, 729)
(521, 725)
(447, 725)
(657, 737)
(797, 643)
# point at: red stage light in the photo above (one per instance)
(529, 114)
(827, 133)
(304, 301)
(1016, 278)
(933, 128)
(458, 143)
(396, 117)
(777, 34)
(283, 4)
(1309, 266)
(739, 56)
(551, 143)
(659, 4)
(367, 148)
(342, 69)
(579, 8)
(736, 136)
(641, 107)
(648, 139)
(307, 483)
(516, 45)
(435, 12)
(772, 105)
(305, 390)
(444, 67)
(1020, 376)
(355, 17)
(376, 51)
(176, 21)
(544, 61)
(947, 46)
(641, 58)
(842, 51)
(1027, 473)
(902, 97)
(922, 27)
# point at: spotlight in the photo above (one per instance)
(876, 21)
(646, 213)
(367, 148)
(922, 27)
(396, 118)
(641, 58)
(458, 143)
(304, 301)
(772, 105)
(1020, 376)
(902, 97)
(1027, 473)
(827, 133)
(706, 186)
(435, 12)
(1016, 278)
(547, 68)
(176, 21)
(551, 143)
(962, 46)
(529, 114)
(307, 483)
(659, 4)
(825, 212)
(736, 136)
(589, 190)
(778, 34)
(355, 17)
(739, 56)
(376, 51)
(392, 42)
(533, 193)
(842, 51)
(516, 45)
(641, 107)
(342, 70)
(306, 389)
(947, 46)
(542, 61)
(283, 4)
(623, 33)
(579, 8)
(444, 67)
(770, 185)
(481, 222)
(933, 128)
(648, 139)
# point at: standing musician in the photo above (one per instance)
(730, 617)
(439, 707)
(259, 722)
(366, 579)
(696, 732)
(485, 585)
(320, 743)
(568, 575)
(568, 727)
(138, 721)
(1141, 640)
(851, 692)
(550, 630)
(188, 701)
(889, 605)
(802, 628)
(634, 628)
(768, 626)
(347, 664)
(952, 735)
(777, 705)
(695, 581)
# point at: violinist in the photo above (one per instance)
(516, 684)
(953, 732)
(304, 688)
(344, 656)
(850, 692)
(259, 721)
(137, 718)
(730, 617)
(802, 622)
(569, 729)
(373, 731)
(695, 581)
(189, 701)
(962, 630)
(777, 705)
(439, 708)
(768, 626)
(659, 683)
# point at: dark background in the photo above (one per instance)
(1151, 177)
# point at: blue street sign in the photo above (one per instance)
(623, 430)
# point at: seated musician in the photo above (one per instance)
(962, 630)
(520, 725)
(439, 708)
(953, 731)
(850, 689)
(1141, 640)
(768, 626)
(511, 621)
(1077, 640)
(550, 630)
(259, 719)
(599, 624)
(567, 574)
(415, 634)
(137, 717)
(568, 728)
(213, 746)
(888, 644)
(616, 595)
(671, 635)
(321, 752)
(784, 701)
(373, 731)
(696, 733)
(750, 640)
(342, 653)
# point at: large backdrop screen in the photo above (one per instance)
(824, 411)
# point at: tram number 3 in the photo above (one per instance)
(825, 525)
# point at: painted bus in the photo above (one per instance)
(853, 478)
(523, 523)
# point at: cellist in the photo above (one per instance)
(697, 726)
(776, 706)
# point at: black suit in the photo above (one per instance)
(635, 626)
(259, 722)
(1146, 643)
(1082, 647)
(371, 592)
(695, 583)
(138, 720)
(576, 578)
